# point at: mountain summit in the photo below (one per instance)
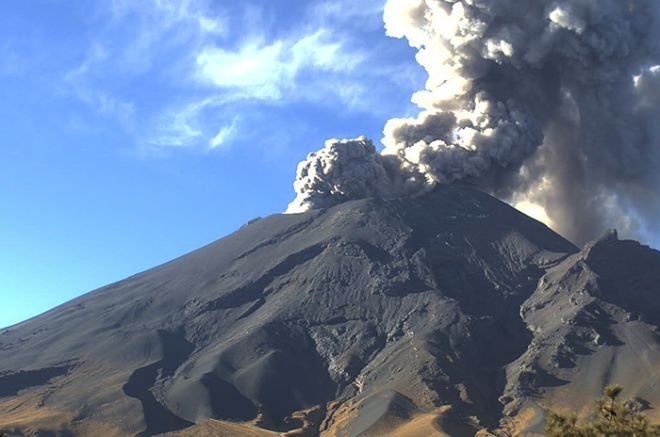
(446, 314)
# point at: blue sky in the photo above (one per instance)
(132, 132)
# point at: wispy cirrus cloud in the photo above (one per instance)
(224, 135)
(178, 74)
(270, 71)
(80, 82)
(349, 12)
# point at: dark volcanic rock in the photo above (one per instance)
(453, 298)
(595, 319)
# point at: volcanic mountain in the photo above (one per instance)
(446, 314)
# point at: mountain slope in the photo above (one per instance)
(435, 312)
(595, 319)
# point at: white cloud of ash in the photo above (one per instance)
(551, 104)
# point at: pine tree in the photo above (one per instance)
(612, 419)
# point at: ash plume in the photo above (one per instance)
(343, 170)
(554, 103)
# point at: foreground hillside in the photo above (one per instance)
(447, 314)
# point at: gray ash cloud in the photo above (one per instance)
(552, 103)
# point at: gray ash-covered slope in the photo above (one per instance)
(372, 312)
(595, 319)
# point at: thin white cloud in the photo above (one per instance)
(175, 129)
(348, 10)
(255, 69)
(225, 134)
(155, 25)
(175, 136)
(266, 71)
(164, 14)
(191, 66)
(77, 82)
(181, 127)
(126, 47)
(211, 26)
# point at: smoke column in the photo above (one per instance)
(554, 103)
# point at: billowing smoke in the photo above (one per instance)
(554, 103)
(343, 170)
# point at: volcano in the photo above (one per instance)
(446, 314)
